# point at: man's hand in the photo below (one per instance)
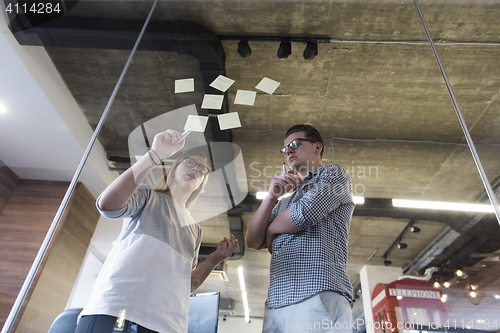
(282, 184)
(256, 230)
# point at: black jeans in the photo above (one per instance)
(106, 324)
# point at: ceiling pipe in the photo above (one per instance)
(426, 277)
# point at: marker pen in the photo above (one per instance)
(183, 136)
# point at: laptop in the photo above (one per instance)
(203, 313)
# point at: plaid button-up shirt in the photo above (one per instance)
(313, 259)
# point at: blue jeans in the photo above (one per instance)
(325, 312)
(106, 324)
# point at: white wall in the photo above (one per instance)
(370, 276)
(106, 232)
(43, 119)
(85, 282)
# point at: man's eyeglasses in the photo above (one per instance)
(294, 144)
(202, 169)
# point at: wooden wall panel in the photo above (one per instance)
(59, 274)
(8, 182)
(24, 223)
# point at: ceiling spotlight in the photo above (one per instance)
(310, 51)
(387, 262)
(244, 49)
(402, 246)
(459, 273)
(473, 294)
(444, 298)
(415, 229)
(285, 49)
(446, 284)
(436, 284)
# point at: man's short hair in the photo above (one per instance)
(311, 133)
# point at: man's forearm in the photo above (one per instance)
(283, 224)
(256, 230)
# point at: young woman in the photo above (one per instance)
(148, 276)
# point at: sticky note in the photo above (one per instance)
(196, 123)
(222, 83)
(229, 120)
(267, 85)
(212, 101)
(185, 85)
(245, 97)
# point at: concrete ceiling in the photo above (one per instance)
(374, 91)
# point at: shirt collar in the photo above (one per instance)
(313, 173)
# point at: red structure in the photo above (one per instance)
(407, 304)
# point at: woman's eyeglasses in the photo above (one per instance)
(202, 169)
(294, 144)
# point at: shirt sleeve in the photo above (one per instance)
(197, 249)
(274, 213)
(132, 208)
(330, 189)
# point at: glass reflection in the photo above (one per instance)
(374, 88)
(464, 277)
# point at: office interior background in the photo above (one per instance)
(362, 72)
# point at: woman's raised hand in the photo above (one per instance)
(164, 143)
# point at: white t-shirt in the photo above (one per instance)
(147, 275)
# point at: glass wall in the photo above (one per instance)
(237, 74)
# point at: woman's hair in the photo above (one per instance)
(163, 186)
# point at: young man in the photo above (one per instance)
(307, 235)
